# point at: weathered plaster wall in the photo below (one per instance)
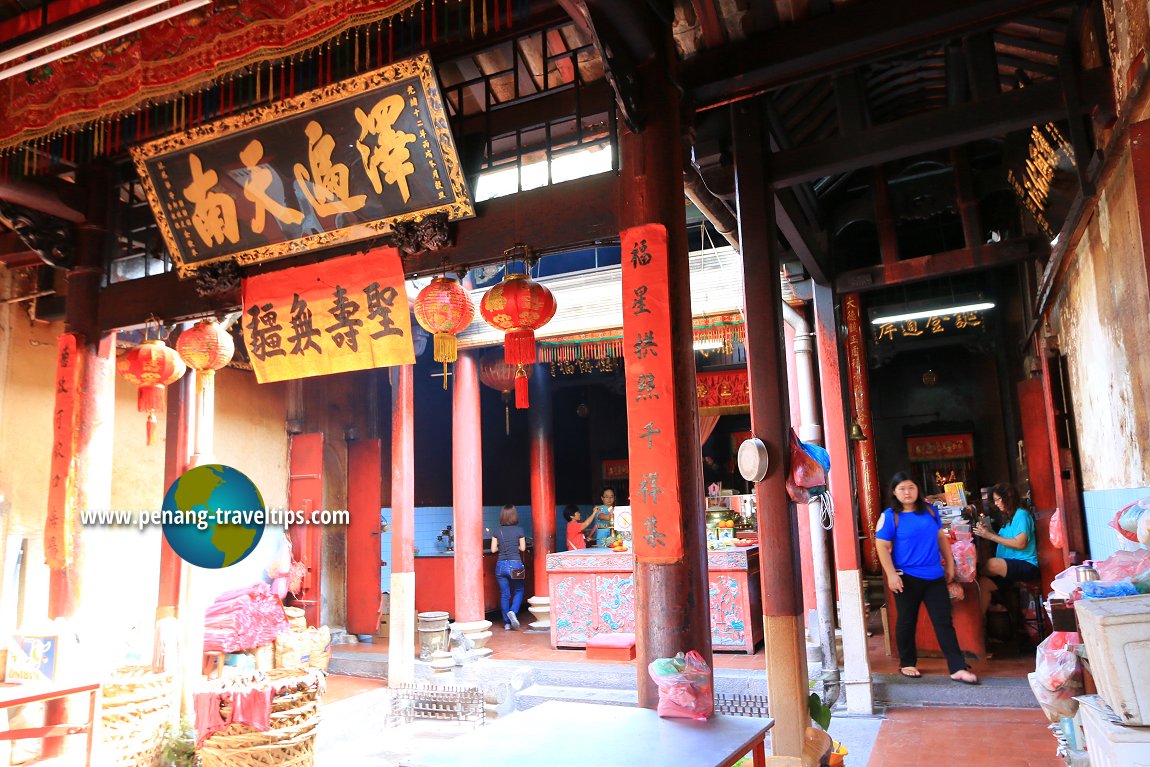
(1127, 31)
(1103, 328)
(120, 566)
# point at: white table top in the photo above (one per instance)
(581, 734)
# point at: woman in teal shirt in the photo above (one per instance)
(1017, 556)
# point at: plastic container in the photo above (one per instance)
(1116, 633)
(1112, 745)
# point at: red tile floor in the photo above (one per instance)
(908, 737)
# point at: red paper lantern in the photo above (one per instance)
(151, 366)
(518, 306)
(206, 346)
(444, 308)
(501, 377)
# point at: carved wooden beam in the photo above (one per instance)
(546, 219)
(938, 265)
(939, 129)
(853, 34)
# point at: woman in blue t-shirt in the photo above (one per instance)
(1017, 556)
(916, 559)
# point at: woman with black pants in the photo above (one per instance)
(916, 559)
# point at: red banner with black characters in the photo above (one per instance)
(60, 523)
(342, 314)
(652, 440)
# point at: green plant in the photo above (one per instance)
(819, 709)
(179, 746)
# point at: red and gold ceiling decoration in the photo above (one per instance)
(207, 63)
(518, 306)
(444, 308)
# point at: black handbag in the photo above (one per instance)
(518, 573)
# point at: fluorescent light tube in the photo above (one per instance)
(60, 35)
(924, 313)
(92, 42)
(704, 345)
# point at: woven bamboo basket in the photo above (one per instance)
(288, 742)
(136, 704)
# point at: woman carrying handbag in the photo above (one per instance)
(510, 573)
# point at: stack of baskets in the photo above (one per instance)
(136, 706)
(288, 742)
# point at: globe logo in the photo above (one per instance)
(213, 516)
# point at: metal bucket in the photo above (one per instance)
(434, 631)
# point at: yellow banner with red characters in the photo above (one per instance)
(342, 314)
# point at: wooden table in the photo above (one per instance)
(35, 692)
(579, 734)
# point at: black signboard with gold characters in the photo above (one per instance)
(334, 165)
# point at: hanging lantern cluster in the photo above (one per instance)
(206, 347)
(444, 308)
(501, 377)
(151, 366)
(518, 306)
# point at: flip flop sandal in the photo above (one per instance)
(916, 675)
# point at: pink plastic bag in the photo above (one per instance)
(1056, 529)
(685, 687)
(965, 561)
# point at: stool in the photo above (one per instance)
(611, 647)
(1015, 598)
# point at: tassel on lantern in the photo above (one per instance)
(519, 347)
(445, 350)
(149, 399)
(521, 402)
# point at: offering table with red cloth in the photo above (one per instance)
(593, 592)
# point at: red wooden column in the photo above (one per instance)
(866, 461)
(401, 639)
(177, 450)
(467, 488)
(85, 466)
(542, 474)
(852, 617)
(787, 687)
(305, 493)
(671, 597)
(1063, 465)
(364, 482)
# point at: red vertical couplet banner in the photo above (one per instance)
(59, 526)
(652, 441)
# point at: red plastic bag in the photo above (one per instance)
(1056, 535)
(685, 687)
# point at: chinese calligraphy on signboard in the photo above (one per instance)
(727, 391)
(342, 314)
(1047, 153)
(938, 448)
(652, 439)
(60, 521)
(927, 327)
(339, 164)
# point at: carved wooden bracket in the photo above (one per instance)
(428, 234)
(49, 237)
(216, 279)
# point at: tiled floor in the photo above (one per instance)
(970, 737)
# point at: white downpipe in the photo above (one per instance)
(810, 431)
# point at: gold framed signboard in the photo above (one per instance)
(335, 165)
